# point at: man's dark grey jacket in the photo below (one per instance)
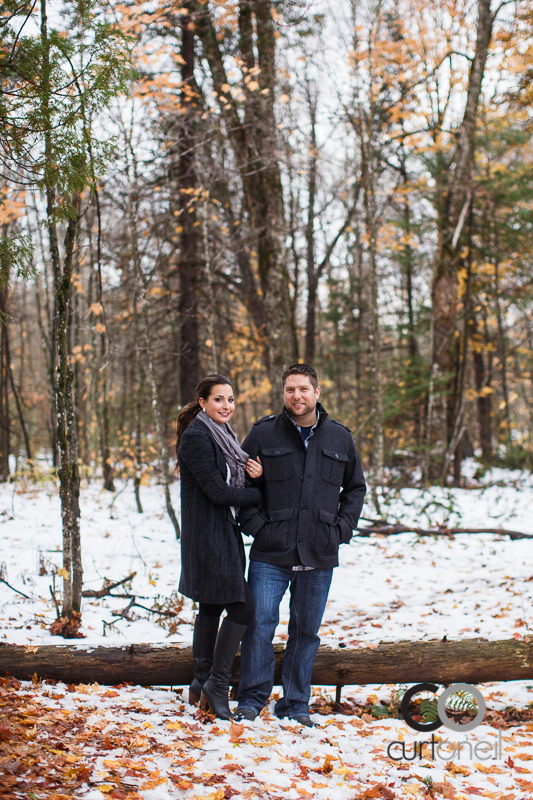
(312, 498)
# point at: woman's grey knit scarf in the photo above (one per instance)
(235, 456)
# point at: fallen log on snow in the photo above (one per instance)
(436, 661)
(391, 529)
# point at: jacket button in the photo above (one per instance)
(304, 509)
(277, 452)
(336, 456)
(300, 541)
(272, 519)
(301, 477)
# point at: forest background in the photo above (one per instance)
(197, 186)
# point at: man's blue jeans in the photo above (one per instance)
(309, 593)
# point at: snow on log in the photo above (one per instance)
(437, 661)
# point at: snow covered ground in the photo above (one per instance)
(95, 742)
(400, 587)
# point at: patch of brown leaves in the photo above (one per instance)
(68, 628)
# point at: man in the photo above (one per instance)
(313, 490)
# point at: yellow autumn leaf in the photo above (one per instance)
(284, 98)
(105, 788)
(412, 790)
(174, 726)
(96, 308)
(218, 795)
(99, 327)
(63, 573)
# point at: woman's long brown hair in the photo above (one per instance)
(189, 412)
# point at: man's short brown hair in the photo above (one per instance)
(301, 369)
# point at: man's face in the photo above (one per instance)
(299, 395)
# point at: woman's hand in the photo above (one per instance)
(254, 468)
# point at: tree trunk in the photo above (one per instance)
(142, 324)
(443, 662)
(159, 427)
(107, 464)
(16, 395)
(312, 282)
(189, 262)
(484, 392)
(255, 145)
(138, 431)
(412, 344)
(5, 421)
(378, 445)
(502, 351)
(451, 218)
(67, 433)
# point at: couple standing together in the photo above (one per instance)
(296, 486)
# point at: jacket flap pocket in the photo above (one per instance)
(279, 514)
(254, 525)
(327, 516)
(276, 451)
(336, 455)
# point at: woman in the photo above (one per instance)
(212, 468)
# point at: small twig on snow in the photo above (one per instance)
(52, 592)
(106, 589)
(3, 580)
(387, 529)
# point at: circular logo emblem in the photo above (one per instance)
(443, 718)
(408, 696)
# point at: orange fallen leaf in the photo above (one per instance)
(456, 769)
(235, 731)
(445, 789)
(152, 783)
(484, 768)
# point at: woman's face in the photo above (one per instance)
(220, 405)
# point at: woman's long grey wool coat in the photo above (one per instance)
(212, 551)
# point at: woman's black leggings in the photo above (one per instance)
(240, 613)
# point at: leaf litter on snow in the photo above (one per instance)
(133, 742)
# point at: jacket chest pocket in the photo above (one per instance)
(278, 463)
(333, 463)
